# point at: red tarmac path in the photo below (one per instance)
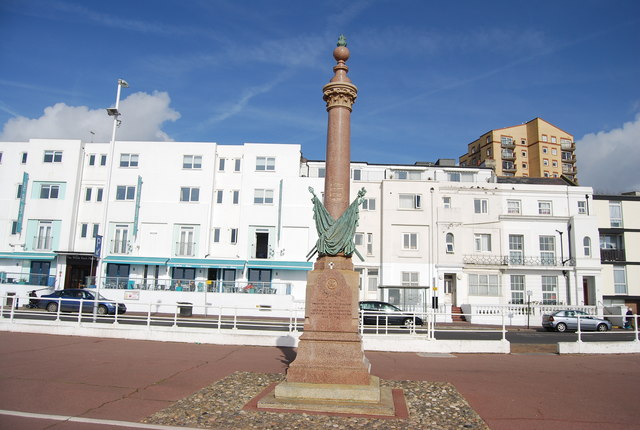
(127, 380)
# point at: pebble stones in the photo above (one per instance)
(432, 405)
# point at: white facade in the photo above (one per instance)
(619, 227)
(206, 223)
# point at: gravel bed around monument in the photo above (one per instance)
(432, 405)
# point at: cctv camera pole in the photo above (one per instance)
(115, 113)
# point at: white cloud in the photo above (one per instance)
(142, 118)
(608, 160)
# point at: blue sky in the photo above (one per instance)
(432, 75)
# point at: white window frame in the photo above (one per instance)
(545, 207)
(449, 240)
(482, 242)
(49, 191)
(446, 202)
(221, 164)
(481, 206)
(620, 280)
(87, 194)
(233, 236)
(547, 246)
(514, 207)
(186, 245)
(549, 289)
(262, 196)
(189, 194)
(487, 285)
(128, 190)
(265, 164)
(615, 214)
(84, 230)
(582, 207)
(216, 235)
(517, 283)
(410, 241)
(219, 196)
(99, 194)
(358, 239)
(192, 162)
(369, 243)
(237, 164)
(129, 161)
(516, 249)
(586, 246)
(369, 204)
(410, 279)
(409, 201)
(52, 156)
(235, 197)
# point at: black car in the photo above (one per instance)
(382, 313)
(69, 301)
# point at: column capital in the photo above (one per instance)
(339, 94)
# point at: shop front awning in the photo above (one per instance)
(28, 255)
(129, 259)
(205, 263)
(280, 265)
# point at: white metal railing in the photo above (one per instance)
(232, 318)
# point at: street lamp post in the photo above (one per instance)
(115, 113)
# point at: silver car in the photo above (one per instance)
(568, 320)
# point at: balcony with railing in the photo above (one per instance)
(121, 247)
(507, 142)
(185, 249)
(506, 260)
(568, 146)
(568, 157)
(508, 155)
(194, 285)
(37, 279)
(609, 255)
(568, 169)
(508, 166)
(42, 243)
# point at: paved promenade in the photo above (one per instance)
(94, 381)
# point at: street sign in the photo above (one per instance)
(98, 248)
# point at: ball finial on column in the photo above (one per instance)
(341, 53)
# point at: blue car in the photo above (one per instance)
(69, 301)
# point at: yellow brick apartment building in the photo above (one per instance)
(534, 149)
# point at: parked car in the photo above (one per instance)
(69, 301)
(382, 313)
(568, 320)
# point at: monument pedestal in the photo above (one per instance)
(330, 349)
(370, 399)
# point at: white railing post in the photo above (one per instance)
(149, 316)
(175, 316)
(219, 317)
(13, 308)
(235, 318)
(58, 310)
(635, 327)
(504, 327)
(2, 299)
(579, 329)
(115, 315)
(80, 310)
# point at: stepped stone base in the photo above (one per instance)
(332, 398)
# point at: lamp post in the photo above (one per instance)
(115, 113)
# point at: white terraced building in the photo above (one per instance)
(223, 225)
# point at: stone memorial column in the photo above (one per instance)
(330, 350)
